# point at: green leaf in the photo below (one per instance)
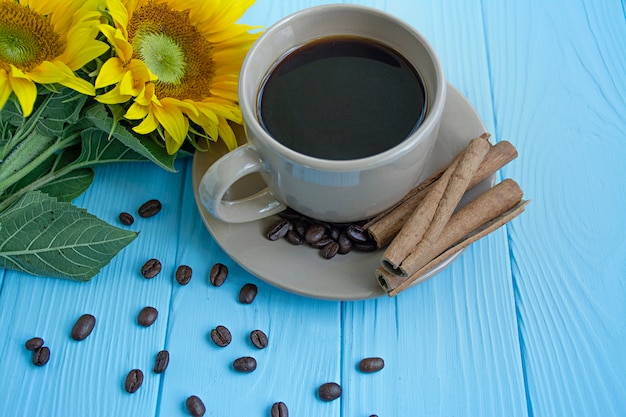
(63, 108)
(98, 148)
(146, 147)
(69, 186)
(42, 236)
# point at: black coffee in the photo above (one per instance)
(342, 98)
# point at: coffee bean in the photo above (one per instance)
(219, 273)
(183, 274)
(329, 250)
(161, 362)
(195, 406)
(147, 316)
(41, 356)
(329, 391)
(126, 218)
(247, 293)
(300, 228)
(325, 240)
(34, 343)
(345, 244)
(314, 233)
(258, 339)
(367, 246)
(371, 364)
(278, 230)
(294, 238)
(279, 409)
(134, 379)
(244, 364)
(290, 214)
(151, 268)
(149, 208)
(83, 327)
(221, 336)
(357, 233)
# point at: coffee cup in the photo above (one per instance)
(341, 107)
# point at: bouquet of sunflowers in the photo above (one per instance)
(91, 82)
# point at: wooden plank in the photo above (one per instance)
(304, 336)
(451, 344)
(559, 86)
(87, 377)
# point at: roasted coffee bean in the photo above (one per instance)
(151, 268)
(294, 238)
(41, 356)
(195, 406)
(278, 230)
(299, 227)
(126, 218)
(34, 343)
(245, 364)
(83, 327)
(279, 409)
(329, 391)
(314, 233)
(345, 244)
(325, 240)
(247, 293)
(149, 208)
(370, 365)
(183, 274)
(161, 362)
(367, 246)
(221, 336)
(290, 214)
(329, 250)
(218, 274)
(258, 339)
(357, 233)
(147, 316)
(334, 233)
(134, 379)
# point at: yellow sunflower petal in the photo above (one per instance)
(25, 90)
(111, 72)
(171, 145)
(5, 89)
(113, 97)
(136, 112)
(148, 125)
(119, 13)
(118, 40)
(227, 134)
(57, 72)
(172, 120)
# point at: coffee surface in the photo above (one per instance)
(341, 98)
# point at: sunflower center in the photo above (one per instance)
(26, 38)
(174, 49)
(163, 56)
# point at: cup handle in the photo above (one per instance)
(227, 170)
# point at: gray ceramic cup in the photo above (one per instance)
(329, 190)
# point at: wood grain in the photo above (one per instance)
(529, 321)
(561, 98)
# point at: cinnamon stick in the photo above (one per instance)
(406, 252)
(384, 227)
(488, 212)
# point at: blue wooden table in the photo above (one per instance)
(529, 321)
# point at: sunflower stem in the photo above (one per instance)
(29, 155)
(26, 129)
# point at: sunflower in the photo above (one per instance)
(45, 42)
(179, 62)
